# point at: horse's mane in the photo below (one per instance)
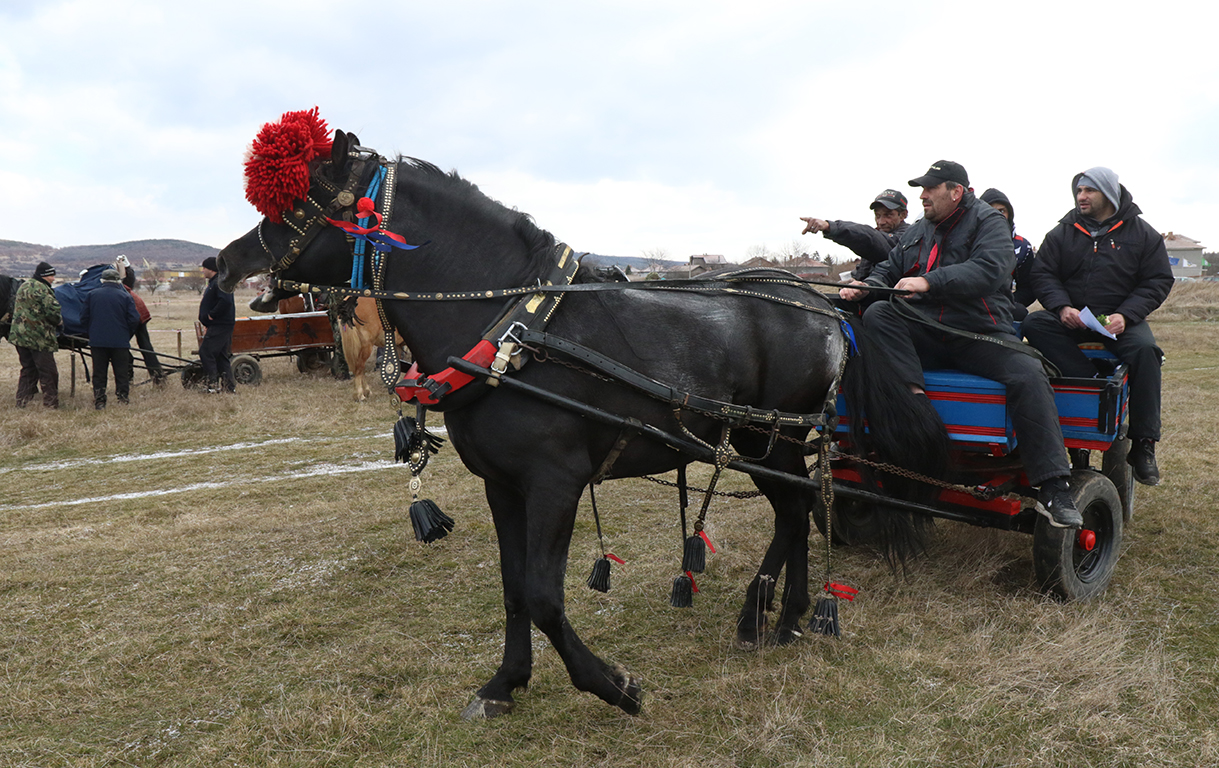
(537, 240)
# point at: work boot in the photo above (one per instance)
(1142, 459)
(1057, 504)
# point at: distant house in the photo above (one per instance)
(696, 266)
(1184, 254)
(807, 267)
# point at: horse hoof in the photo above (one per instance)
(749, 635)
(787, 636)
(485, 709)
(631, 701)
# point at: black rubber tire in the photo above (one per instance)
(312, 360)
(1063, 568)
(1115, 467)
(854, 522)
(192, 376)
(246, 370)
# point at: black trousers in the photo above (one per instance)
(37, 369)
(118, 358)
(151, 362)
(1135, 346)
(214, 356)
(912, 346)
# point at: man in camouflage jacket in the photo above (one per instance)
(36, 322)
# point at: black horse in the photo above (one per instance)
(536, 458)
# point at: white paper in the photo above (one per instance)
(1090, 320)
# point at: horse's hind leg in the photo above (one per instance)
(789, 548)
(495, 698)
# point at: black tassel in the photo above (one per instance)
(683, 592)
(694, 555)
(413, 445)
(825, 618)
(599, 579)
(429, 522)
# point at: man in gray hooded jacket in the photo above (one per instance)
(1104, 257)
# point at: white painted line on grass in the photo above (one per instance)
(322, 470)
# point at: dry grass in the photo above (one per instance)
(197, 581)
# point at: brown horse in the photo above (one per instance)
(361, 335)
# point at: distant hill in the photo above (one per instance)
(636, 263)
(20, 258)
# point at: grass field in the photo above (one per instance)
(199, 580)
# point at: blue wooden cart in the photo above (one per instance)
(1070, 564)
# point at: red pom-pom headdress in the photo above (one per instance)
(277, 166)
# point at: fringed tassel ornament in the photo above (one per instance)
(429, 522)
(414, 445)
(694, 554)
(684, 588)
(825, 618)
(599, 579)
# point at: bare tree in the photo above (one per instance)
(656, 258)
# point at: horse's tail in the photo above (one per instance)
(902, 429)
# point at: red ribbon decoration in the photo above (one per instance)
(615, 558)
(693, 586)
(841, 590)
(711, 547)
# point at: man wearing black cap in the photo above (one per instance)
(35, 331)
(1102, 256)
(111, 318)
(870, 244)
(217, 314)
(956, 265)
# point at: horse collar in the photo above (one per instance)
(499, 346)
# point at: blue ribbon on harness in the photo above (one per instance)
(357, 263)
(852, 346)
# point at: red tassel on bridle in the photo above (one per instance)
(277, 166)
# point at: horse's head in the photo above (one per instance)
(298, 243)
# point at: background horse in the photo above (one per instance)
(536, 458)
(362, 335)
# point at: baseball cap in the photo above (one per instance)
(891, 199)
(940, 172)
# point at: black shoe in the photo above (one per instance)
(1057, 504)
(1142, 459)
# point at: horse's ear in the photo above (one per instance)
(339, 158)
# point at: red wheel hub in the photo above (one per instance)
(1086, 540)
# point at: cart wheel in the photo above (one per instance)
(246, 370)
(854, 521)
(1078, 564)
(1114, 467)
(312, 360)
(192, 375)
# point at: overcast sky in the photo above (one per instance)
(622, 127)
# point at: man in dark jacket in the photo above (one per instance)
(143, 341)
(217, 314)
(956, 263)
(870, 244)
(1102, 256)
(1022, 291)
(111, 318)
(35, 331)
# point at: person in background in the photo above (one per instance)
(1102, 256)
(111, 318)
(217, 314)
(35, 331)
(142, 339)
(870, 244)
(1022, 291)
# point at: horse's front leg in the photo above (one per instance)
(495, 698)
(552, 513)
